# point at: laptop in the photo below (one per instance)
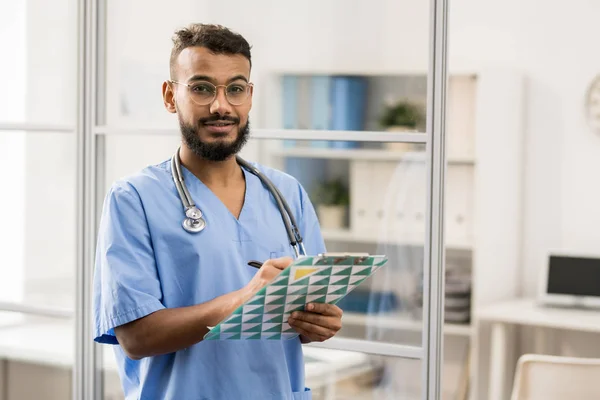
(571, 280)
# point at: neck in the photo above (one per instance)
(211, 173)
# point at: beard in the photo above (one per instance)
(218, 151)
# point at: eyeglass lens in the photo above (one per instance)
(205, 92)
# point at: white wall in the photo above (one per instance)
(554, 44)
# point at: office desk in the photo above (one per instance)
(526, 312)
(52, 344)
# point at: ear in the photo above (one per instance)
(169, 97)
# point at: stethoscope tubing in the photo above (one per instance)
(185, 195)
(287, 216)
(284, 209)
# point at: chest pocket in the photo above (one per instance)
(270, 238)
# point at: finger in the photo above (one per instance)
(281, 262)
(325, 309)
(331, 323)
(316, 319)
(307, 337)
(314, 332)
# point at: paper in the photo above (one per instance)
(316, 279)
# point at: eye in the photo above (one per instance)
(202, 88)
(236, 89)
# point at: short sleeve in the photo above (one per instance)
(126, 284)
(309, 226)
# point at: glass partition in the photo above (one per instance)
(37, 246)
(38, 42)
(39, 47)
(360, 69)
(309, 68)
(370, 198)
(38, 238)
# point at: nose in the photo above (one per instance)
(220, 105)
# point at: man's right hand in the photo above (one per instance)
(267, 272)
(173, 329)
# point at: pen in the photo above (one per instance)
(255, 264)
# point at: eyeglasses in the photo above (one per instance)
(203, 93)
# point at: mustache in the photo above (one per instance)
(217, 117)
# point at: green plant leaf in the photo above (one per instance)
(402, 113)
(331, 193)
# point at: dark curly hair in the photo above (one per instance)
(216, 38)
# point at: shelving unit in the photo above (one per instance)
(345, 235)
(484, 146)
(362, 154)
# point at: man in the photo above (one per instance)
(158, 288)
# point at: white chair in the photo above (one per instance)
(543, 377)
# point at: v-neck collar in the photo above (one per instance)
(246, 213)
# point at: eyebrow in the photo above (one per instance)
(210, 79)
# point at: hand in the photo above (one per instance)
(267, 272)
(318, 323)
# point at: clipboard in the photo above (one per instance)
(325, 278)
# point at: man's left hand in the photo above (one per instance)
(319, 322)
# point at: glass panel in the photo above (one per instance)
(37, 238)
(341, 374)
(128, 154)
(381, 188)
(35, 350)
(459, 214)
(318, 72)
(369, 198)
(40, 39)
(336, 101)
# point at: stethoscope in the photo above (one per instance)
(194, 221)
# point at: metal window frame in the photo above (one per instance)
(87, 376)
(34, 127)
(32, 309)
(434, 261)
(90, 161)
(282, 134)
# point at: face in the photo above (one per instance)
(217, 130)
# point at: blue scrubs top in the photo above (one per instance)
(146, 261)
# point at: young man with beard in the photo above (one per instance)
(158, 288)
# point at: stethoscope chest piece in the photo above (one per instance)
(194, 222)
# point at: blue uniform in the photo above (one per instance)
(146, 261)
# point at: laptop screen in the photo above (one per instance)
(575, 276)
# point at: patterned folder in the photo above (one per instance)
(316, 279)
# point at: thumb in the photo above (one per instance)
(281, 262)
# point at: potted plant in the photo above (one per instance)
(402, 116)
(332, 201)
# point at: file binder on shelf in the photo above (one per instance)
(310, 279)
(320, 107)
(297, 112)
(348, 103)
(290, 106)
